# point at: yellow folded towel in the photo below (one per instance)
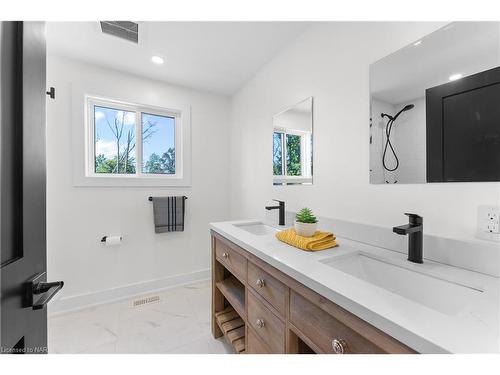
(319, 241)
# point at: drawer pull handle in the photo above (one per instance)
(260, 283)
(260, 323)
(339, 346)
(225, 255)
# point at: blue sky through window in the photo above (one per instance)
(109, 125)
(158, 148)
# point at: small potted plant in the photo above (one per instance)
(305, 223)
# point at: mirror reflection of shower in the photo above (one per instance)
(388, 129)
(404, 76)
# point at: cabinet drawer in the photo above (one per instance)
(268, 326)
(254, 344)
(233, 261)
(272, 290)
(322, 328)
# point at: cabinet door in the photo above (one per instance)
(255, 345)
(267, 325)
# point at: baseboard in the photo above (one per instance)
(68, 304)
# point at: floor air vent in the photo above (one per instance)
(145, 301)
(122, 29)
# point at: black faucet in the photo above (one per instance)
(414, 230)
(280, 207)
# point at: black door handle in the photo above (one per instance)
(47, 291)
(50, 292)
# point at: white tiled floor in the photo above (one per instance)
(178, 323)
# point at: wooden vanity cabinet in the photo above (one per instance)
(281, 315)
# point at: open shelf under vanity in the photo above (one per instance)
(229, 298)
(234, 292)
(233, 328)
(229, 319)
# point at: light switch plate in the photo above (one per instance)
(488, 223)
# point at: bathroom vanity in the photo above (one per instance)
(281, 315)
(268, 297)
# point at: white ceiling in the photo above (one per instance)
(460, 47)
(211, 56)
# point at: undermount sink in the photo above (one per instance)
(257, 228)
(435, 293)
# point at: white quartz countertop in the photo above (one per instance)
(473, 329)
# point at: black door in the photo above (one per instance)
(24, 291)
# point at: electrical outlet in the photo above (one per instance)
(488, 223)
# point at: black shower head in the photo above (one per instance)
(405, 108)
(393, 118)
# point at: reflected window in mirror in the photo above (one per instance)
(278, 154)
(289, 147)
(292, 145)
(295, 163)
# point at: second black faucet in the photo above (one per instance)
(281, 207)
(414, 230)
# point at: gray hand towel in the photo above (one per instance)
(169, 214)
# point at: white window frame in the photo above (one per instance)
(83, 146)
(139, 110)
(305, 152)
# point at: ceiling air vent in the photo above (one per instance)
(122, 29)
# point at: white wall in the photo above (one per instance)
(330, 62)
(410, 142)
(79, 216)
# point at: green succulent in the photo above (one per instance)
(306, 216)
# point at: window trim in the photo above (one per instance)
(139, 110)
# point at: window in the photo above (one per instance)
(133, 141)
(114, 140)
(158, 144)
(289, 153)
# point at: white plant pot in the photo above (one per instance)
(305, 229)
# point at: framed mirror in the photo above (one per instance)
(293, 145)
(434, 108)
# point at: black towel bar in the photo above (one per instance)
(151, 198)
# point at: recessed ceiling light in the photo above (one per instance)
(157, 60)
(454, 77)
(417, 43)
